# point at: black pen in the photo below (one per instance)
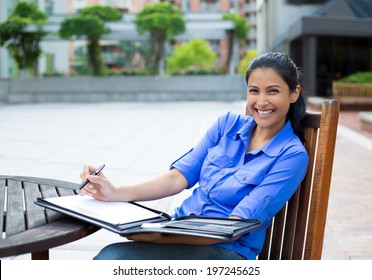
(98, 170)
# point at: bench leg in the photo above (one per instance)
(43, 255)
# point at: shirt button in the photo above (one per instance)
(244, 178)
(213, 157)
(266, 200)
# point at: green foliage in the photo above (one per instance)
(52, 74)
(163, 21)
(198, 70)
(244, 63)
(90, 22)
(82, 25)
(105, 13)
(240, 31)
(128, 72)
(163, 18)
(30, 11)
(358, 77)
(240, 24)
(24, 46)
(196, 54)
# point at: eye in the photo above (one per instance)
(252, 90)
(274, 91)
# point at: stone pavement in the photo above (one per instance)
(139, 140)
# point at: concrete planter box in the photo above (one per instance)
(110, 89)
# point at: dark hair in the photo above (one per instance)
(289, 72)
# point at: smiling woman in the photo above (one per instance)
(246, 167)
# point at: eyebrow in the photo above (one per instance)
(273, 85)
(270, 86)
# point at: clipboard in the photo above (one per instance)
(129, 218)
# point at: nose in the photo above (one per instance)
(262, 99)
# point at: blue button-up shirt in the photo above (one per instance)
(232, 182)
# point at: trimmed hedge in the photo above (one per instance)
(358, 77)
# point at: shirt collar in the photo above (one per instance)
(274, 146)
(244, 133)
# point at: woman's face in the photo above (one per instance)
(268, 99)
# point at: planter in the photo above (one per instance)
(349, 94)
(149, 88)
(351, 89)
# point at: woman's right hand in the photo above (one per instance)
(99, 187)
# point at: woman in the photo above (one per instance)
(246, 167)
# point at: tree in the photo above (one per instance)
(244, 63)
(196, 53)
(240, 32)
(163, 21)
(23, 45)
(90, 22)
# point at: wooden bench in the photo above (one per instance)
(297, 231)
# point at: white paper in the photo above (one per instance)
(111, 212)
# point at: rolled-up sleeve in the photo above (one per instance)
(191, 163)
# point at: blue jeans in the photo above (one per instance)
(149, 251)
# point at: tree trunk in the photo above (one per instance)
(95, 57)
(156, 52)
(230, 38)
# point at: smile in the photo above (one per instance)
(264, 113)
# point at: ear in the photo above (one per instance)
(293, 96)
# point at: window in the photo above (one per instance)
(49, 7)
(209, 5)
(49, 61)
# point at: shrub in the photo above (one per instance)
(358, 77)
(53, 74)
(244, 63)
(195, 70)
(129, 72)
(196, 54)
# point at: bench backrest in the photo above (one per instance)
(297, 231)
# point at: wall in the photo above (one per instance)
(109, 89)
(4, 89)
(274, 18)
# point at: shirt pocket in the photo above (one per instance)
(237, 186)
(217, 158)
(214, 162)
(247, 177)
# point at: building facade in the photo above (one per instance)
(204, 20)
(328, 39)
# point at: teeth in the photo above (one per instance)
(264, 112)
